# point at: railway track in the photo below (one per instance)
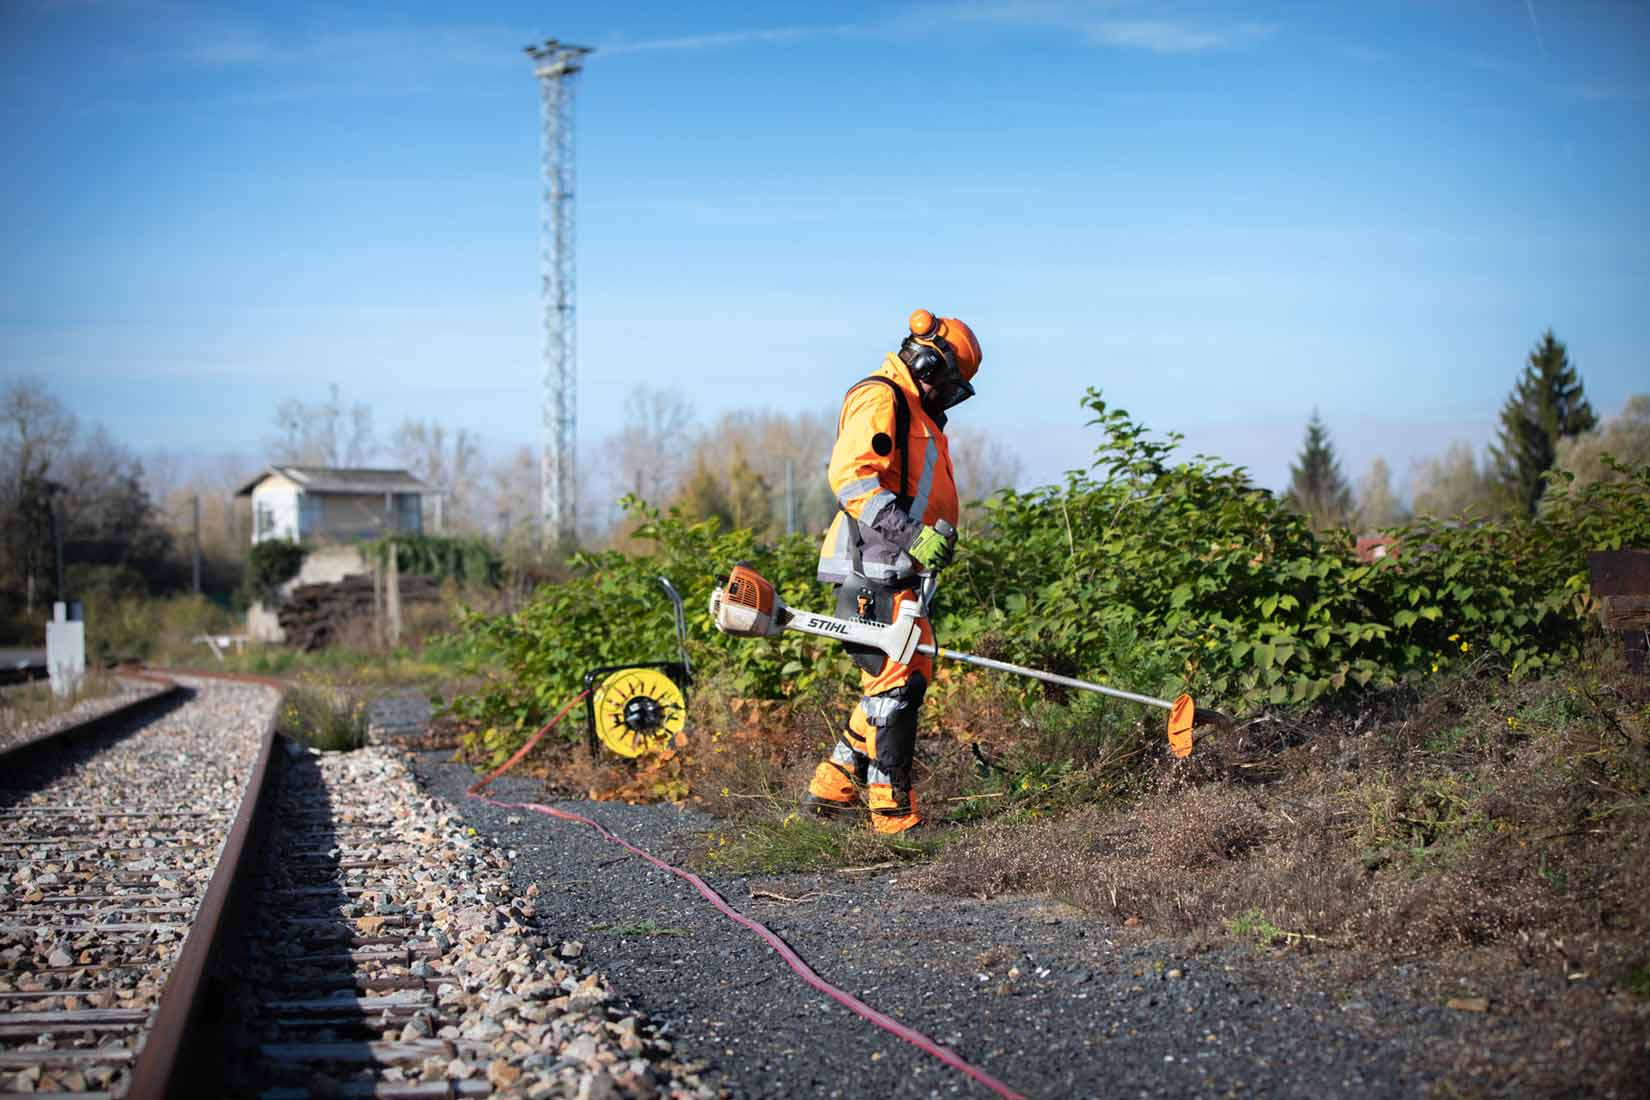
(112, 832)
(191, 906)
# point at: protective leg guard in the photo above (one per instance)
(834, 789)
(893, 810)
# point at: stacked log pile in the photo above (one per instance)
(316, 615)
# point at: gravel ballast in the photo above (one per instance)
(1049, 1001)
(391, 959)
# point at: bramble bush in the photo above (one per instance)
(612, 610)
(1218, 587)
(1198, 562)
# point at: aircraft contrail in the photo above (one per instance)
(1535, 24)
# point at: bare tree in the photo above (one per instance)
(982, 463)
(326, 434)
(647, 456)
(35, 429)
(1626, 438)
(1378, 506)
(451, 464)
(1453, 485)
(36, 432)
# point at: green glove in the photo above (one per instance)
(932, 549)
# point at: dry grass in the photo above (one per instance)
(1494, 832)
(1471, 816)
(24, 705)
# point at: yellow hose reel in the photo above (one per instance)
(640, 707)
(638, 710)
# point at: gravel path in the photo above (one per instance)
(1049, 1001)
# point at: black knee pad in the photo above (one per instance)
(895, 717)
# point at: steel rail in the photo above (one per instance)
(170, 1063)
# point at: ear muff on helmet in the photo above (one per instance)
(933, 361)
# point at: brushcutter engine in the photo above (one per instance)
(745, 605)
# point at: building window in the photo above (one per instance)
(263, 523)
(409, 514)
(309, 515)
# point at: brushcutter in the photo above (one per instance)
(745, 605)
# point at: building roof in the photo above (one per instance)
(333, 479)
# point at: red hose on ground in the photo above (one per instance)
(792, 959)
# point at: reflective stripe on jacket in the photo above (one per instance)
(866, 482)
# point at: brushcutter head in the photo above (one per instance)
(745, 605)
(1185, 716)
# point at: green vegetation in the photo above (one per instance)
(1154, 574)
(794, 843)
(1316, 485)
(1546, 407)
(270, 564)
(323, 719)
(612, 609)
(467, 560)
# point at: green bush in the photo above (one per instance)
(1198, 563)
(1156, 576)
(471, 561)
(142, 628)
(613, 610)
(270, 564)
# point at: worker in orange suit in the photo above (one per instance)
(891, 473)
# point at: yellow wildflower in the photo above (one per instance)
(1465, 646)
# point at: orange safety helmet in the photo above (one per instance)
(944, 353)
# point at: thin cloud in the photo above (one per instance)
(246, 47)
(1160, 36)
(724, 39)
(1535, 25)
(1111, 24)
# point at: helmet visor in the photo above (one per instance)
(950, 389)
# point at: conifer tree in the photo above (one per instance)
(1317, 488)
(1546, 405)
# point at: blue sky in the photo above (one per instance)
(1223, 214)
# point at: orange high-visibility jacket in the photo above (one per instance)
(865, 473)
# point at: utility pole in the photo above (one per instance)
(557, 65)
(57, 541)
(790, 497)
(195, 506)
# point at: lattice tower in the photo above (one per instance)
(557, 65)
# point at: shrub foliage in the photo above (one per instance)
(1213, 585)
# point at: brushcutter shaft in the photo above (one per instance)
(1046, 677)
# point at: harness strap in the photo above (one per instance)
(902, 430)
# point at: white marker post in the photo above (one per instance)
(65, 651)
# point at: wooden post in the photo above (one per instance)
(377, 604)
(392, 595)
(1620, 581)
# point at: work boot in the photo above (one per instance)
(827, 807)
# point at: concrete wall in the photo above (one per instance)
(275, 510)
(328, 565)
(322, 565)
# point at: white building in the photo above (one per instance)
(325, 504)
